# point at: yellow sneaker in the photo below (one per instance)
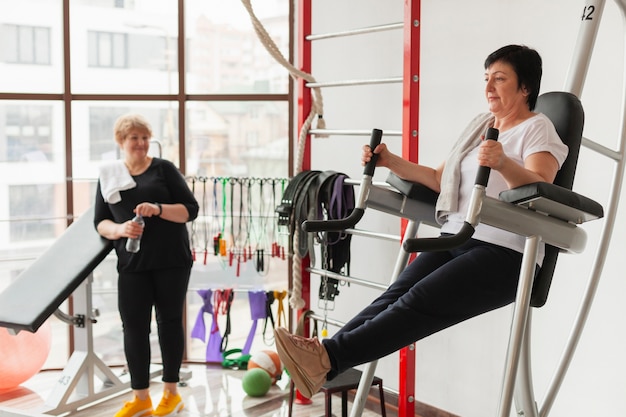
(136, 408)
(170, 404)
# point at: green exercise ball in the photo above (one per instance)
(256, 382)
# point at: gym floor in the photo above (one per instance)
(210, 391)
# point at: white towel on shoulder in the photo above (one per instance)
(471, 137)
(114, 177)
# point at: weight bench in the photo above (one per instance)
(541, 212)
(64, 270)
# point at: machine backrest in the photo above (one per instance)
(566, 113)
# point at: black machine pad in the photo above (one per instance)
(554, 201)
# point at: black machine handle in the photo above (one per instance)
(467, 230)
(482, 176)
(337, 225)
(375, 139)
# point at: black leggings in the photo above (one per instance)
(436, 291)
(138, 292)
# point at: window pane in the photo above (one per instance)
(32, 166)
(114, 50)
(32, 49)
(28, 128)
(225, 54)
(118, 49)
(42, 46)
(8, 43)
(26, 44)
(33, 205)
(241, 138)
(105, 50)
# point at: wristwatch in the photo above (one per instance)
(160, 208)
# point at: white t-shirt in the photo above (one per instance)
(533, 135)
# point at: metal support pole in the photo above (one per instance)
(525, 403)
(368, 373)
(518, 325)
(578, 70)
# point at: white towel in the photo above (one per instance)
(471, 137)
(114, 177)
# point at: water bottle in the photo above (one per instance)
(133, 245)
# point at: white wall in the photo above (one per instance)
(460, 369)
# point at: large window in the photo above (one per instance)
(218, 103)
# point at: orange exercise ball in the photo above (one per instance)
(22, 355)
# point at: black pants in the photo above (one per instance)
(138, 292)
(436, 291)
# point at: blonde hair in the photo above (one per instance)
(124, 124)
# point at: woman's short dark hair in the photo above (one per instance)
(526, 63)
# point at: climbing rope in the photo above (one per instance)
(317, 108)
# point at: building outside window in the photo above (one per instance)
(25, 44)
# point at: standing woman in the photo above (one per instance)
(158, 274)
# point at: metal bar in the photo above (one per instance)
(348, 132)
(410, 151)
(365, 383)
(182, 89)
(602, 150)
(352, 181)
(368, 233)
(352, 32)
(347, 278)
(579, 65)
(346, 83)
(518, 323)
(327, 320)
(305, 103)
(525, 403)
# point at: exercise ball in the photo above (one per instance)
(22, 355)
(269, 361)
(256, 382)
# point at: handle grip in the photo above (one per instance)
(482, 175)
(377, 135)
(337, 225)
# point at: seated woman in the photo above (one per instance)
(440, 289)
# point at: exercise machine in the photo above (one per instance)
(541, 213)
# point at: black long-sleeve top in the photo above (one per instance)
(164, 244)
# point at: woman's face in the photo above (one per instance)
(502, 91)
(136, 144)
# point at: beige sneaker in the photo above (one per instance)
(306, 360)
